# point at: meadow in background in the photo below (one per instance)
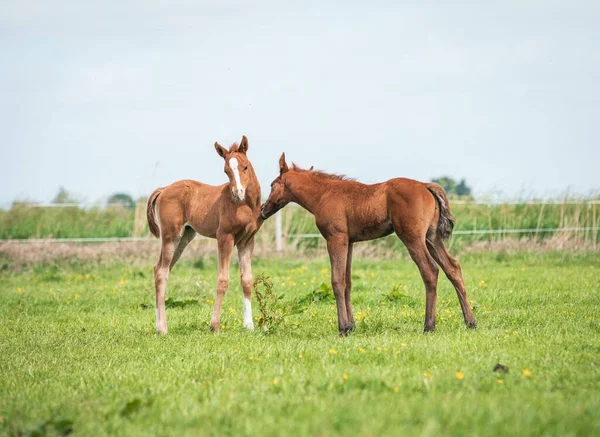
(24, 220)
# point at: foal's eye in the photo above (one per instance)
(246, 168)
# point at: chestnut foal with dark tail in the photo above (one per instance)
(229, 212)
(347, 211)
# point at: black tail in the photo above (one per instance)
(150, 212)
(446, 221)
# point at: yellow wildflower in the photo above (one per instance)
(526, 372)
(333, 352)
(345, 376)
(275, 381)
(459, 375)
(361, 350)
(427, 374)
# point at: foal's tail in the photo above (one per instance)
(150, 212)
(446, 221)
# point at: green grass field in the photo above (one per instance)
(78, 352)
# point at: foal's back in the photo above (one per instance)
(189, 203)
(375, 210)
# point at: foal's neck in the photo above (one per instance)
(307, 190)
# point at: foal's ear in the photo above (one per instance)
(283, 167)
(243, 147)
(221, 150)
(312, 167)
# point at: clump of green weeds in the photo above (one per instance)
(398, 294)
(323, 293)
(272, 314)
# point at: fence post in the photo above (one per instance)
(278, 232)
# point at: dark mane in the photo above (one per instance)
(323, 174)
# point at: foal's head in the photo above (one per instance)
(280, 195)
(237, 167)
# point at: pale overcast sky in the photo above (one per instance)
(129, 95)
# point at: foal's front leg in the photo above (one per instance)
(338, 252)
(225, 247)
(245, 259)
(348, 292)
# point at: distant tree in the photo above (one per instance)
(63, 196)
(121, 199)
(462, 189)
(452, 188)
(447, 183)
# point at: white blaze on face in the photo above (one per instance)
(248, 323)
(240, 190)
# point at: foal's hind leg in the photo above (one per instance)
(451, 267)
(429, 273)
(161, 274)
(188, 235)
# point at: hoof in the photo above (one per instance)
(471, 324)
(161, 330)
(351, 327)
(214, 327)
(344, 332)
(428, 329)
(249, 326)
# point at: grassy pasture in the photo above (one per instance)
(78, 352)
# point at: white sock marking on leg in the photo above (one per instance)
(248, 323)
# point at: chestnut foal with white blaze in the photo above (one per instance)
(229, 212)
(347, 211)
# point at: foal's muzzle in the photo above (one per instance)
(262, 212)
(238, 195)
